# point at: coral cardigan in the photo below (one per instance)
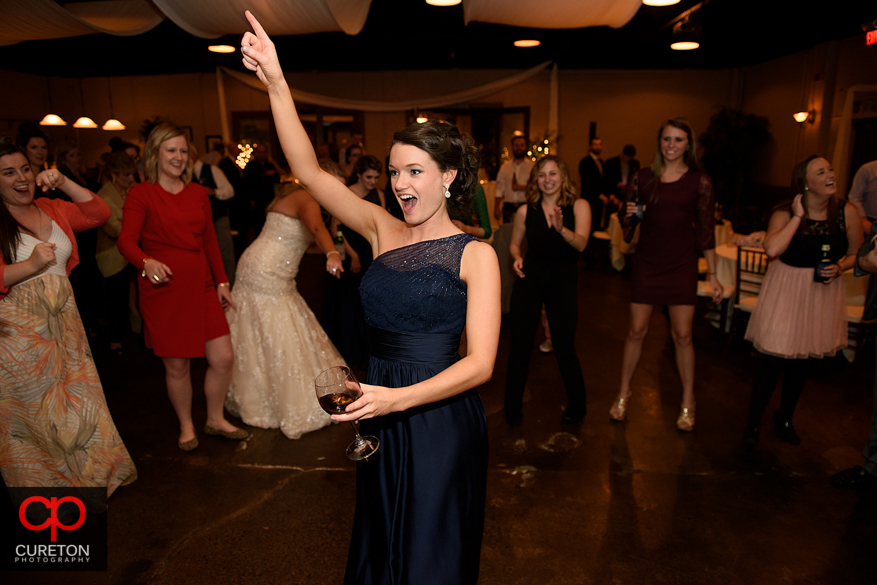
(70, 217)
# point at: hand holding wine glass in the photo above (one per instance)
(337, 388)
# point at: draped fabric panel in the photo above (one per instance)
(552, 13)
(31, 20)
(843, 145)
(427, 102)
(45, 19)
(211, 19)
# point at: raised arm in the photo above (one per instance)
(782, 227)
(259, 55)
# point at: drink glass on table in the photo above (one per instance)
(336, 388)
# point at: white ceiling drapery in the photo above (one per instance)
(25, 20)
(427, 102)
(32, 20)
(552, 13)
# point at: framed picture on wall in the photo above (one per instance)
(190, 135)
(212, 142)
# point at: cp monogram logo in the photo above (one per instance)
(53, 519)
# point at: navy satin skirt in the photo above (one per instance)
(420, 501)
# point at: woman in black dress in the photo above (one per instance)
(801, 310)
(556, 223)
(678, 221)
(420, 500)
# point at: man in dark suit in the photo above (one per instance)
(616, 173)
(591, 173)
(865, 476)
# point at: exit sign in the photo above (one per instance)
(871, 37)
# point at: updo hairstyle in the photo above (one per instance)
(450, 150)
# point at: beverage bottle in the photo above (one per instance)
(339, 243)
(824, 260)
(637, 217)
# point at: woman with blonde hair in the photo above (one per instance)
(678, 222)
(167, 233)
(273, 321)
(556, 223)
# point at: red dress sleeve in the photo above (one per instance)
(133, 217)
(705, 221)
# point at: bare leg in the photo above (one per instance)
(179, 390)
(220, 359)
(681, 319)
(633, 345)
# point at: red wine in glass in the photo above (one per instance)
(337, 388)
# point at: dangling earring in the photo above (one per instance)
(447, 192)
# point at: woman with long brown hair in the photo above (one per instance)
(678, 221)
(801, 310)
(556, 223)
(420, 500)
(55, 427)
(167, 234)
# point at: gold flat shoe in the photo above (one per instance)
(189, 445)
(619, 409)
(236, 435)
(685, 422)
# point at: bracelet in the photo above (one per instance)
(799, 216)
(333, 252)
(143, 269)
(225, 284)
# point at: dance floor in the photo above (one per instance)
(635, 502)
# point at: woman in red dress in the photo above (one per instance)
(679, 221)
(167, 233)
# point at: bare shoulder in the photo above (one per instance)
(479, 259)
(581, 206)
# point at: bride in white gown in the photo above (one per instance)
(279, 346)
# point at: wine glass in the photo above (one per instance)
(336, 388)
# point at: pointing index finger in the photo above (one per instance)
(257, 28)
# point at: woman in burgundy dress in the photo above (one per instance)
(167, 233)
(678, 221)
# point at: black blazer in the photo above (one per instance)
(612, 174)
(592, 179)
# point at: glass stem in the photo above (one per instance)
(359, 439)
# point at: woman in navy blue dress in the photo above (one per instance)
(420, 500)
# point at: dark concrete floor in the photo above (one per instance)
(636, 502)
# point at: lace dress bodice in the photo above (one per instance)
(270, 264)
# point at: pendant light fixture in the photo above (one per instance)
(112, 124)
(83, 121)
(51, 119)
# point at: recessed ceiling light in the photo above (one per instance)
(685, 46)
(527, 43)
(443, 2)
(221, 49)
(660, 2)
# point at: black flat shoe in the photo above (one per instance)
(785, 430)
(854, 478)
(750, 438)
(572, 418)
(514, 419)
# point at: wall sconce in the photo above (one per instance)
(801, 117)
